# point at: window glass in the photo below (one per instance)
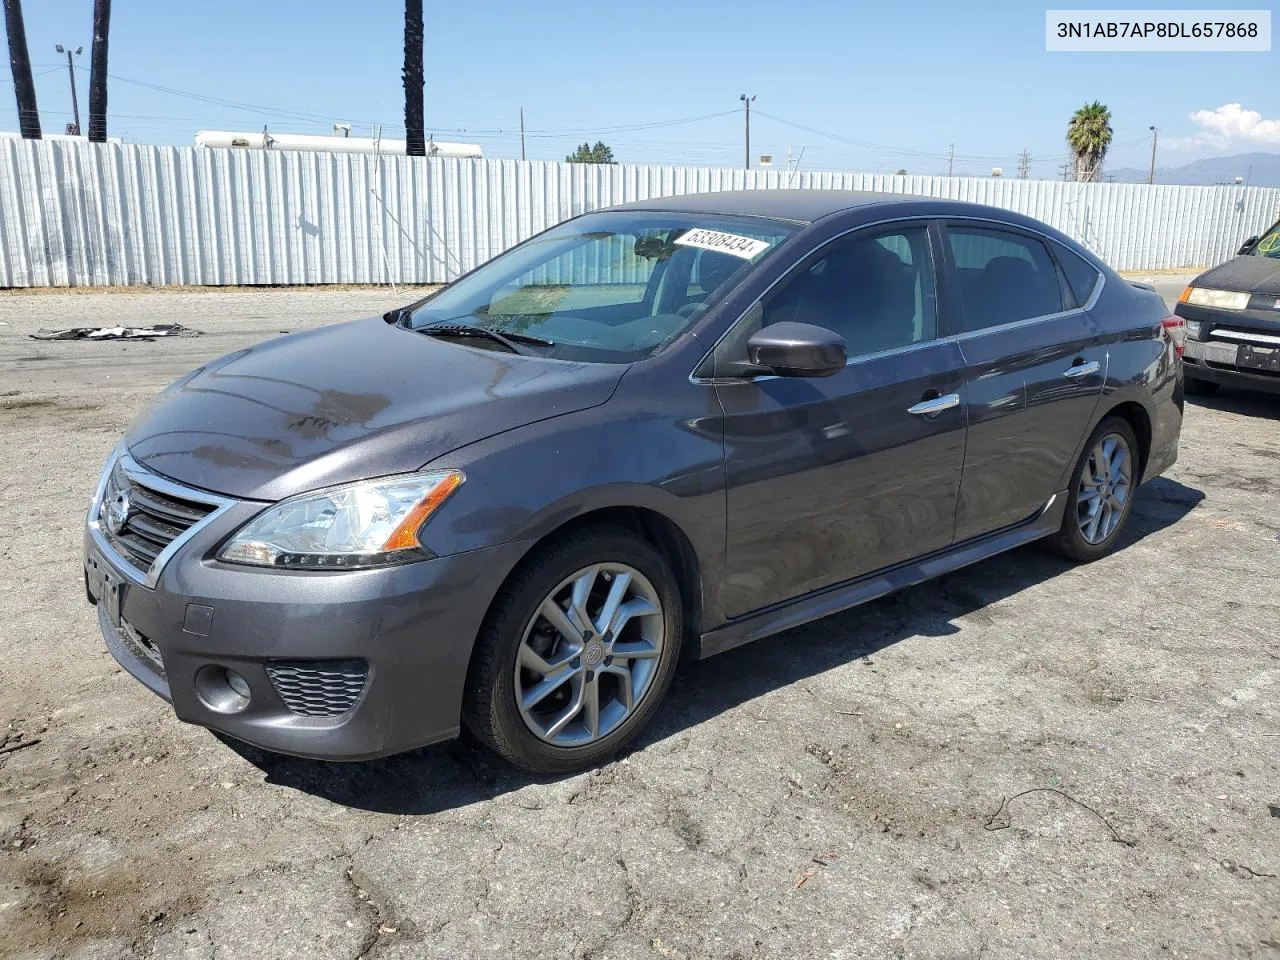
(1082, 276)
(875, 291)
(1269, 244)
(609, 286)
(1003, 277)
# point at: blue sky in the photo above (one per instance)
(906, 80)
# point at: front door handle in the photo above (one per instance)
(927, 408)
(1082, 370)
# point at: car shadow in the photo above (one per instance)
(1247, 403)
(459, 773)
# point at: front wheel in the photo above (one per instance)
(1101, 493)
(576, 653)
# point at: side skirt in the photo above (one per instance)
(851, 593)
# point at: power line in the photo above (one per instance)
(38, 73)
(880, 147)
(324, 118)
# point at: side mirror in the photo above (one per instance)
(797, 350)
(1248, 246)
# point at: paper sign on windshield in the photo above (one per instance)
(731, 243)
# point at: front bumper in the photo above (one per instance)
(412, 627)
(1218, 362)
(1226, 334)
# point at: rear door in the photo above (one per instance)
(1034, 369)
(830, 478)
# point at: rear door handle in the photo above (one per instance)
(926, 408)
(1082, 370)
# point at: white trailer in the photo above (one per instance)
(264, 140)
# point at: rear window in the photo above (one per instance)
(1082, 276)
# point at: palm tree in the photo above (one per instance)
(24, 87)
(98, 71)
(414, 124)
(1089, 136)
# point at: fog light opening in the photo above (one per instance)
(238, 683)
(222, 690)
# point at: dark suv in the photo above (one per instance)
(1232, 315)
(677, 425)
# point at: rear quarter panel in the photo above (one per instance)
(1142, 368)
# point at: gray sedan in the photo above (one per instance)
(657, 430)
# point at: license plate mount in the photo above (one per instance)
(1258, 358)
(108, 590)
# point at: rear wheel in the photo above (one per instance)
(1196, 387)
(576, 653)
(1101, 493)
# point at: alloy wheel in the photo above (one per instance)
(589, 654)
(1105, 485)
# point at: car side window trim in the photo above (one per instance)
(873, 229)
(1044, 238)
(938, 223)
(1062, 270)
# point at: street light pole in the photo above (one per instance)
(1155, 135)
(71, 72)
(746, 102)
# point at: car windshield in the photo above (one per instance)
(1269, 245)
(606, 287)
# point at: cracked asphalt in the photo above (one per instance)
(852, 789)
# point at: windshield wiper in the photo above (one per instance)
(511, 341)
(519, 337)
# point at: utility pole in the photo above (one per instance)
(71, 72)
(746, 102)
(951, 159)
(522, 133)
(1064, 169)
(1024, 165)
(98, 71)
(1155, 135)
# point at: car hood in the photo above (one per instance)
(348, 402)
(1243, 275)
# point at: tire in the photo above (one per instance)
(497, 679)
(1079, 538)
(1195, 387)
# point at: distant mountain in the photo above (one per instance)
(1258, 169)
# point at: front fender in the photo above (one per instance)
(525, 484)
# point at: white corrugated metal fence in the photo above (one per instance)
(76, 214)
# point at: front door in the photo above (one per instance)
(830, 478)
(1034, 373)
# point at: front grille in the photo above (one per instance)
(152, 519)
(1239, 335)
(318, 688)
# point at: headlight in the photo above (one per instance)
(358, 525)
(1222, 299)
(1193, 329)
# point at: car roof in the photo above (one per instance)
(804, 206)
(799, 206)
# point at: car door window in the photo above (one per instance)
(874, 289)
(1003, 277)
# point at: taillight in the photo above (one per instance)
(1176, 327)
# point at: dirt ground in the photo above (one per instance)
(1022, 760)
